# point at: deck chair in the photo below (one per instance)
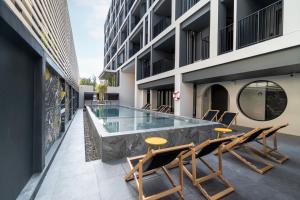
(153, 161)
(271, 152)
(198, 152)
(211, 115)
(228, 118)
(160, 108)
(242, 141)
(167, 109)
(146, 106)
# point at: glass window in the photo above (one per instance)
(262, 100)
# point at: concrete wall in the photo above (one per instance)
(17, 64)
(291, 114)
(82, 90)
(127, 89)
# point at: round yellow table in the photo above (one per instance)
(155, 141)
(222, 131)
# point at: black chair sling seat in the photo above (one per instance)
(159, 160)
(211, 147)
(210, 115)
(227, 118)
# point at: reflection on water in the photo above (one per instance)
(119, 119)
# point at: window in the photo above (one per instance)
(262, 100)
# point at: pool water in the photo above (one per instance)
(120, 119)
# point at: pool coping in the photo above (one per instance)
(104, 133)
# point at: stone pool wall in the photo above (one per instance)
(114, 146)
(93, 131)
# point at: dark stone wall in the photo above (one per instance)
(53, 108)
(67, 102)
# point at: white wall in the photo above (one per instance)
(127, 89)
(82, 90)
(290, 115)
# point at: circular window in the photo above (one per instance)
(262, 100)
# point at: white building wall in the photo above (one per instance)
(82, 90)
(291, 114)
(127, 89)
(290, 38)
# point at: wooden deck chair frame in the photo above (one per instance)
(164, 108)
(159, 108)
(233, 120)
(137, 173)
(269, 151)
(215, 117)
(146, 106)
(238, 142)
(167, 109)
(197, 181)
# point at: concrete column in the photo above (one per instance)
(235, 22)
(144, 31)
(214, 28)
(173, 16)
(153, 99)
(140, 97)
(184, 106)
(290, 14)
(177, 47)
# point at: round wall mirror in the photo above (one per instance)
(262, 100)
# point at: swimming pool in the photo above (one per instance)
(120, 131)
(116, 119)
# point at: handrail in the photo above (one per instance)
(261, 25)
(261, 9)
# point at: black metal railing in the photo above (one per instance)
(162, 65)
(129, 5)
(133, 51)
(205, 48)
(226, 39)
(262, 25)
(135, 21)
(143, 69)
(187, 4)
(163, 23)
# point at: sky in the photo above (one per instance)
(87, 20)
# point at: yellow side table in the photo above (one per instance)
(222, 131)
(155, 141)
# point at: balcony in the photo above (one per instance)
(184, 5)
(138, 12)
(226, 39)
(163, 23)
(162, 65)
(205, 48)
(194, 37)
(262, 25)
(161, 17)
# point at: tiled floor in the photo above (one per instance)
(70, 177)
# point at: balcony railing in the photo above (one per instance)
(262, 25)
(135, 21)
(226, 39)
(187, 4)
(162, 65)
(161, 25)
(143, 71)
(133, 51)
(130, 3)
(205, 48)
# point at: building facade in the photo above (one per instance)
(39, 90)
(236, 55)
